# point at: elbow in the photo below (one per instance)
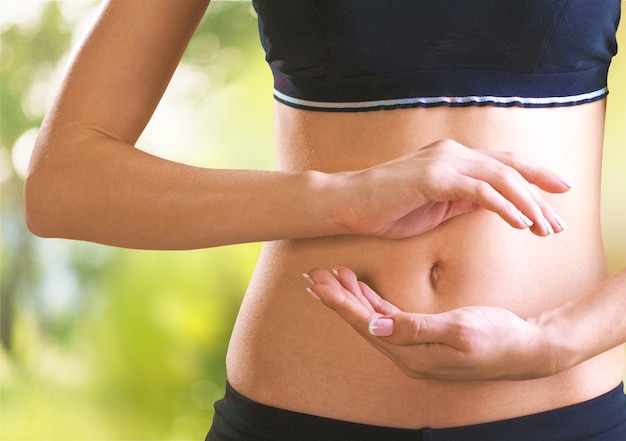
(43, 204)
(37, 207)
(56, 197)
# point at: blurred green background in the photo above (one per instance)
(99, 343)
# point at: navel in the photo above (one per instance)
(434, 275)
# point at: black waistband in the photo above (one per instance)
(238, 418)
(454, 88)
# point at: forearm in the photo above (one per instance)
(106, 191)
(588, 325)
(87, 181)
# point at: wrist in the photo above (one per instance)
(331, 200)
(557, 343)
(325, 199)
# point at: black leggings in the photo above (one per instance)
(238, 418)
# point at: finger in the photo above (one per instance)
(319, 276)
(347, 306)
(400, 328)
(322, 276)
(363, 292)
(378, 303)
(480, 192)
(552, 222)
(541, 212)
(517, 190)
(529, 176)
(355, 314)
(456, 329)
(513, 199)
(349, 281)
(422, 345)
(535, 174)
(458, 207)
(513, 173)
(417, 346)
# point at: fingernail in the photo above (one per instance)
(565, 181)
(526, 220)
(308, 278)
(559, 220)
(310, 291)
(382, 327)
(548, 226)
(335, 272)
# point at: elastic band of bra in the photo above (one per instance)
(461, 101)
(453, 88)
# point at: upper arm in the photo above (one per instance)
(122, 67)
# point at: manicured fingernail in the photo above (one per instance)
(308, 278)
(310, 291)
(382, 327)
(565, 181)
(526, 220)
(548, 226)
(559, 220)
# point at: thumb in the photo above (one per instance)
(460, 206)
(411, 329)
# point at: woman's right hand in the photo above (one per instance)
(415, 193)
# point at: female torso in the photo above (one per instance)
(288, 351)
(87, 182)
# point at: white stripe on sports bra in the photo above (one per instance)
(446, 100)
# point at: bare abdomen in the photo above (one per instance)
(290, 351)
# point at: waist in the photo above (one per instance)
(290, 351)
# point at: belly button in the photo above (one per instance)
(434, 275)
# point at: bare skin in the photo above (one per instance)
(422, 204)
(289, 351)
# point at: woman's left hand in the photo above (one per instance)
(468, 343)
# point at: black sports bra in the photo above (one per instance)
(356, 55)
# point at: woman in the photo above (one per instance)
(393, 124)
